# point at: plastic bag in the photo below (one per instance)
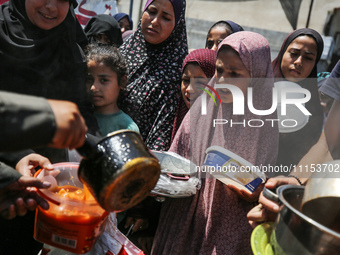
(170, 187)
(177, 179)
(113, 242)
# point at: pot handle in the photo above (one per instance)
(89, 149)
(271, 195)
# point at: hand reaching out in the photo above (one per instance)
(26, 166)
(139, 224)
(267, 210)
(20, 196)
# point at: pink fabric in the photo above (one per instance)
(205, 58)
(214, 220)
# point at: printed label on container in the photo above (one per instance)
(225, 166)
(77, 238)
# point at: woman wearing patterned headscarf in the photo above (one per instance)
(198, 64)
(297, 62)
(214, 220)
(220, 30)
(155, 53)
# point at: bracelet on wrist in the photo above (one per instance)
(296, 178)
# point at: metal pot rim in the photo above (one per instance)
(109, 135)
(280, 191)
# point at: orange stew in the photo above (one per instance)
(71, 192)
(81, 213)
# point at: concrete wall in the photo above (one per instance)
(262, 14)
(197, 33)
(265, 17)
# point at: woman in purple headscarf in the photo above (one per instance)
(214, 220)
(155, 53)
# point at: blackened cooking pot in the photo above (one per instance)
(119, 170)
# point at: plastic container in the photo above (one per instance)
(173, 163)
(74, 220)
(230, 168)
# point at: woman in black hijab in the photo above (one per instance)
(104, 29)
(297, 62)
(39, 56)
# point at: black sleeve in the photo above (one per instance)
(8, 175)
(25, 122)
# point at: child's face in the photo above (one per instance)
(231, 70)
(47, 14)
(299, 59)
(102, 84)
(190, 89)
(102, 38)
(215, 36)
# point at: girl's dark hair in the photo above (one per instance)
(111, 57)
(221, 24)
(224, 25)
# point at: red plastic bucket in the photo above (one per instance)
(74, 220)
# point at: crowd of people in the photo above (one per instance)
(60, 81)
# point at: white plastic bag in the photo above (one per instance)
(168, 186)
(177, 179)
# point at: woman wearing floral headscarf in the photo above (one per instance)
(155, 53)
(214, 220)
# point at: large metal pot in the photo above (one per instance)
(119, 170)
(321, 199)
(295, 233)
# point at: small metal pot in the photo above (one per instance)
(295, 233)
(119, 170)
